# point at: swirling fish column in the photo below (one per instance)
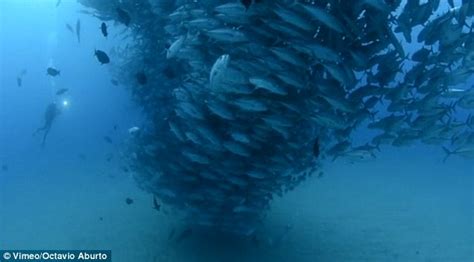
(241, 117)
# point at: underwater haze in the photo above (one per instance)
(227, 130)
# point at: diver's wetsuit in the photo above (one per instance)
(52, 111)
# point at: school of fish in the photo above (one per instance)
(245, 99)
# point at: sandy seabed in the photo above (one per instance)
(401, 207)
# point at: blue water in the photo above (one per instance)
(407, 205)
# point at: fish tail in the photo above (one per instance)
(373, 115)
(469, 121)
(448, 153)
(453, 138)
(377, 146)
(452, 107)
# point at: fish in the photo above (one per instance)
(293, 18)
(133, 130)
(103, 29)
(175, 47)
(323, 53)
(102, 57)
(69, 27)
(196, 157)
(53, 72)
(421, 55)
(330, 120)
(156, 206)
(78, 30)
(251, 105)
(61, 91)
(268, 85)
(245, 98)
(128, 201)
(109, 157)
(227, 36)
(108, 139)
(324, 17)
(316, 148)
(58, 3)
(339, 149)
(463, 151)
(218, 68)
(114, 82)
(4, 167)
(220, 109)
(359, 155)
(19, 78)
(170, 72)
(246, 3)
(320, 175)
(123, 16)
(82, 156)
(141, 78)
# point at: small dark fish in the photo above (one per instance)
(102, 57)
(19, 78)
(82, 156)
(128, 201)
(246, 3)
(58, 3)
(103, 28)
(254, 238)
(78, 30)
(109, 157)
(114, 82)
(156, 206)
(171, 234)
(125, 169)
(101, 219)
(321, 174)
(61, 91)
(141, 78)
(69, 27)
(4, 168)
(85, 12)
(169, 72)
(115, 127)
(316, 148)
(108, 139)
(53, 71)
(185, 234)
(123, 16)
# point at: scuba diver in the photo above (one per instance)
(52, 111)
